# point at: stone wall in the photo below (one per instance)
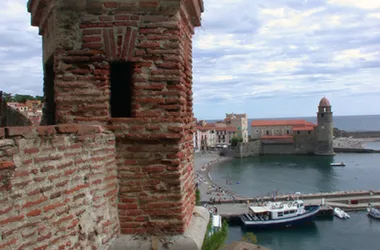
(277, 149)
(304, 142)
(58, 187)
(15, 118)
(251, 148)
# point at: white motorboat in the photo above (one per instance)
(341, 214)
(279, 214)
(373, 212)
(337, 164)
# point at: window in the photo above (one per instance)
(280, 214)
(267, 132)
(309, 132)
(298, 132)
(287, 132)
(277, 130)
(257, 131)
(121, 78)
(322, 115)
(50, 107)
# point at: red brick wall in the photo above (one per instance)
(58, 187)
(154, 147)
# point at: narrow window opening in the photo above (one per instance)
(121, 78)
(49, 95)
(267, 132)
(322, 115)
(287, 131)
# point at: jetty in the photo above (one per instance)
(348, 201)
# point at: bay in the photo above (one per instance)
(258, 176)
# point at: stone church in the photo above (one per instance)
(296, 136)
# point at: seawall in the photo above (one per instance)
(355, 150)
(360, 134)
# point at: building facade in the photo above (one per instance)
(214, 135)
(296, 136)
(240, 122)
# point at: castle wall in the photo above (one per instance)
(58, 187)
(277, 149)
(251, 148)
(304, 142)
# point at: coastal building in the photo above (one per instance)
(240, 122)
(214, 135)
(30, 110)
(296, 136)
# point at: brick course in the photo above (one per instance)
(57, 189)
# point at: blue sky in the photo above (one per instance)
(274, 58)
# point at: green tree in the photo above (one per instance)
(7, 97)
(22, 98)
(197, 197)
(249, 237)
(235, 141)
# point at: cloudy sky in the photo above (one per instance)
(274, 58)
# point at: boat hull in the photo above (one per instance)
(284, 223)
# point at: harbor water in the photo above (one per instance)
(258, 176)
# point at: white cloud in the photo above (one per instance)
(362, 4)
(245, 52)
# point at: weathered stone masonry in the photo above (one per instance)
(154, 152)
(58, 187)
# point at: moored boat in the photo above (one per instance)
(279, 214)
(338, 164)
(341, 214)
(373, 212)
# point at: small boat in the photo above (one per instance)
(341, 214)
(279, 214)
(337, 164)
(373, 212)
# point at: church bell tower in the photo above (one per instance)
(325, 129)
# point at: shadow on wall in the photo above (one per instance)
(10, 117)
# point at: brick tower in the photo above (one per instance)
(127, 65)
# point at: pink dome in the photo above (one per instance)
(324, 102)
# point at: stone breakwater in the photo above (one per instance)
(354, 143)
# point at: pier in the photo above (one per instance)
(348, 201)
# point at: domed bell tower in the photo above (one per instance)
(325, 129)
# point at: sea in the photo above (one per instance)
(258, 176)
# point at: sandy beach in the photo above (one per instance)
(209, 190)
(346, 142)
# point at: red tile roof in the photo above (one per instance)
(293, 123)
(306, 128)
(227, 128)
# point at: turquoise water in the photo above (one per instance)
(360, 232)
(307, 174)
